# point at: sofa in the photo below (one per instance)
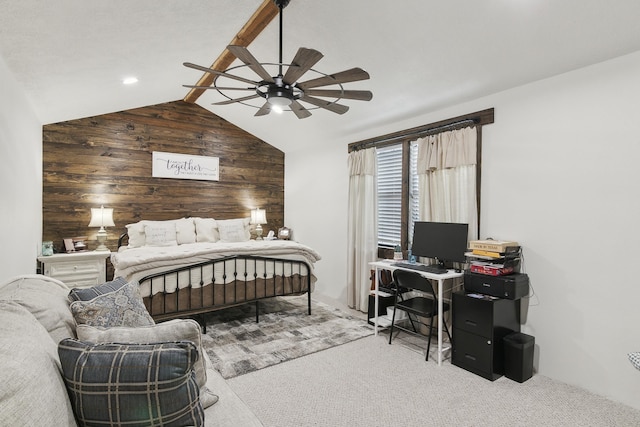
(37, 326)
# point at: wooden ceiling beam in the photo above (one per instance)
(254, 26)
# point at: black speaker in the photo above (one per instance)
(518, 356)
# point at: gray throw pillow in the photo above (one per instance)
(86, 294)
(132, 384)
(122, 307)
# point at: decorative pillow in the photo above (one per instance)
(132, 384)
(206, 230)
(234, 230)
(173, 330)
(136, 234)
(185, 231)
(160, 233)
(123, 307)
(86, 294)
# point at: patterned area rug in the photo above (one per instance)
(238, 345)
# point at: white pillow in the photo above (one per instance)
(185, 231)
(136, 234)
(234, 230)
(160, 233)
(206, 230)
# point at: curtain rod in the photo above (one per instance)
(420, 133)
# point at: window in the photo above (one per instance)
(390, 192)
(397, 177)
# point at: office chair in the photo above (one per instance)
(424, 306)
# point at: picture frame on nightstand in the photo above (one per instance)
(68, 245)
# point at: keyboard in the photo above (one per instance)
(434, 269)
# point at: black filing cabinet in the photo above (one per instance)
(479, 324)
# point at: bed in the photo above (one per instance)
(185, 273)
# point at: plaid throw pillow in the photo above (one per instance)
(132, 384)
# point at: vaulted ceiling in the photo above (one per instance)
(70, 56)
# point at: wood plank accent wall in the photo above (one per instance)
(106, 160)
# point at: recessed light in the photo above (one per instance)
(129, 80)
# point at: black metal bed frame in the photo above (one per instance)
(300, 272)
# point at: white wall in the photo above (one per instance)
(20, 179)
(561, 176)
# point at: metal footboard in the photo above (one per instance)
(224, 282)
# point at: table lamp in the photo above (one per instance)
(101, 217)
(258, 217)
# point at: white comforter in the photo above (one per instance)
(136, 263)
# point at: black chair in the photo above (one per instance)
(423, 306)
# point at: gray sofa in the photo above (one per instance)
(34, 318)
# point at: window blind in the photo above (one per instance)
(389, 183)
(414, 191)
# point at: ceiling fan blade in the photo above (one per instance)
(302, 62)
(360, 95)
(331, 106)
(243, 54)
(231, 101)
(299, 110)
(264, 110)
(219, 73)
(352, 75)
(219, 87)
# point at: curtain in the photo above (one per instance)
(447, 178)
(362, 228)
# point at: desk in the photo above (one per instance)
(388, 265)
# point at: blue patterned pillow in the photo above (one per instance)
(122, 307)
(86, 294)
(132, 384)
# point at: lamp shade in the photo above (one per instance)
(258, 216)
(101, 217)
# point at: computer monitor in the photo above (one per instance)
(446, 242)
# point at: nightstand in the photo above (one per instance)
(77, 269)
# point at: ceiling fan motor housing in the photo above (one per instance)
(280, 95)
(281, 3)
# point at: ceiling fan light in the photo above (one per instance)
(279, 99)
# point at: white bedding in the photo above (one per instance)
(136, 263)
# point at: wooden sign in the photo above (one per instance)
(185, 166)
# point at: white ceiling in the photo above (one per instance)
(423, 55)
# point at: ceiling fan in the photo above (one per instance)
(284, 90)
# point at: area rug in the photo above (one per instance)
(237, 345)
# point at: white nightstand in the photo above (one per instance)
(77, 269)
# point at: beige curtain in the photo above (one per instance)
(362, 228)
(447, 178)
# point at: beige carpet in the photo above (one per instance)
(371, 383)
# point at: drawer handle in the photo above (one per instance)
(468, 356)
(470, 323)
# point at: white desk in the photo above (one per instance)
(388, 265)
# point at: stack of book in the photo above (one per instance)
(494, 257)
